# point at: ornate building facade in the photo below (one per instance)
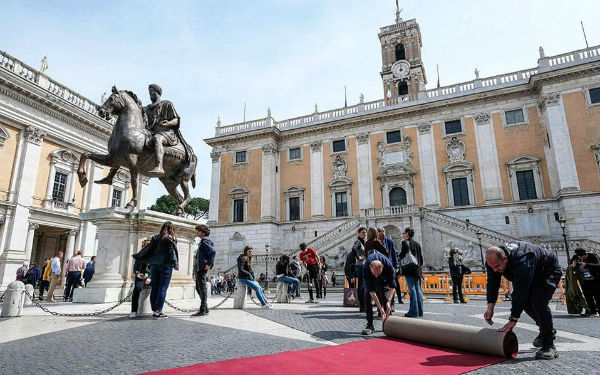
(44, 127)
(476, 162)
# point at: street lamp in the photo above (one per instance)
(479, 236)
(267, 267)
(563, 223)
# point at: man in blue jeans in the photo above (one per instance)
(358, 249)
(413, 272)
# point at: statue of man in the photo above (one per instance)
(163, 123)
(44, 65)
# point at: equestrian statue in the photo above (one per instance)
(147, 141)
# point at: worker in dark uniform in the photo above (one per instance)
(380, 285)
(535, 274)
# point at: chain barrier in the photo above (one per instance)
(95, 313)
(194, 310)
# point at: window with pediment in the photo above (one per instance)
(525, 178)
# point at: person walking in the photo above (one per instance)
(390, 245)
(380, 285)
(89, 271)
(45, 279)
(282, 270)
(162, 256)
(141, 277)
(535, 274)
(457, 274)
(55, 275)
(411, 260)
(205, 257)
(310, 258)
(75, 267)
(588, 267)
(358, 251)
(246, 275)
(324, 279)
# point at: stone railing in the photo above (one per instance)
(390, 211)
(334, 233)
(559, 246)
(446, 92)
(13, 65)
(488, 235)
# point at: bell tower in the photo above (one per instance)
(402, 70)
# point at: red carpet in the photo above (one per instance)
(375, 356)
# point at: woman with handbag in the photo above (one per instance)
(162, 256)
(457, 272)
(411, 262)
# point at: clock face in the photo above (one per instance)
(400, 69)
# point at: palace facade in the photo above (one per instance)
(469, 164)
(44, 127)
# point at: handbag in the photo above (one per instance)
(409, 263)
(466, 270)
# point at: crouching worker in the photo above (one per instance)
(380, 286)
(535, 274)
(141, 274)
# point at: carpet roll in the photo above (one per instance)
(454, 336)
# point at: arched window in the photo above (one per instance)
(402, 88)
(400, 54)
(397, 197)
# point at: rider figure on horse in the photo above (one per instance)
(163, 122)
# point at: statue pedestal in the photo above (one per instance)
(120, 234)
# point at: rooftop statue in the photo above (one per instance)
(146, 141)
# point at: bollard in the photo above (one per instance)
(27, 301)
(13, 300)
(144, 307)
(282, 292)
(239, 298)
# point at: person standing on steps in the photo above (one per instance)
(205, 258)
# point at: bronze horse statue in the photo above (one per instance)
(130, 146)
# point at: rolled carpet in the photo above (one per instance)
(455, 336)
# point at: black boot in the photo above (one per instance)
(547, 352)
(538, 342)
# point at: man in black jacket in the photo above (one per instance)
(358, 250)
(205, 257)
(535, 274)
(588, 266)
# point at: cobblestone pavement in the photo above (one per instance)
(37, 343)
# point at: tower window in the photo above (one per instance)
(402, 88)
(400, 53)
(453, 127)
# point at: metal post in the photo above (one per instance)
(479, 236)
(563, 225)
(267, 267)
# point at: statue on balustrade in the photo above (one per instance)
(147, 141)
(467, 256)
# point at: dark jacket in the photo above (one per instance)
(140, 267)
(387, 277)
(415, 249)
(160, 251)
(389, 244)
(32, 276)
(456, 269)
(88, 273)
(349, 266)
(375, 245)
(529, 266)
(591, 263)
(244, 269)
(294, 269)
(282, 268)
(358, 249)
(205, 255)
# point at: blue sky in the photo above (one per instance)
(212, 56)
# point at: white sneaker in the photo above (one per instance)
(267, 306)
(133, 315)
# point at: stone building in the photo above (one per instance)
(472, 163)
(44, 127)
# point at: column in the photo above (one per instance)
(29, 242)
(70, 248)
(142, 191)
(560, 150)
(92, 201)
(487, 154)
(268, 201)
(30, 146)
(215, 183)
(317, 208)
(365, 174)
(428, 165)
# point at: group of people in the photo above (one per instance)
(222, 282)
(77, 273)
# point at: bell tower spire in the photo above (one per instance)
(402, 70)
